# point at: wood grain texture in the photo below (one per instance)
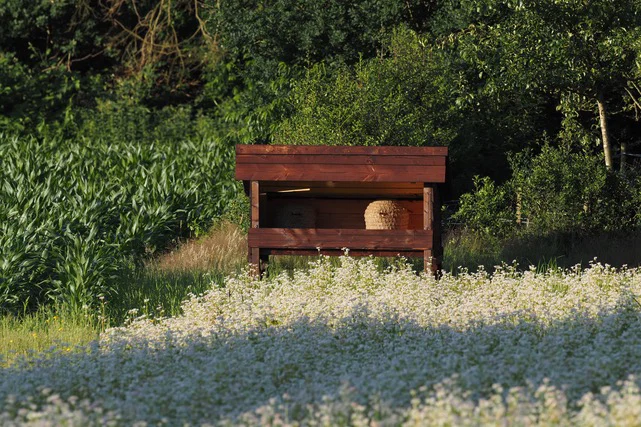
(254, 261)
(339, 172)
(274, 185)
(339, 252)
(299, 238)
(255, 204)
(342, 159)
(340, 150)
(428, 207)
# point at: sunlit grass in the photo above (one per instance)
(223, 249)
(156, 290)
(29, 335)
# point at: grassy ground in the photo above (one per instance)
(470, 250)
(194, 266)
(34, 333)
(157, 290)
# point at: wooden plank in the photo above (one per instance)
(254, 261)
(363, 193)
(339, 252)
(368, 173)
(432, 259)
(437, 243)
(428, 207)
(340, 150)
(428, 221)
(298, 238)
(273, 185)
(260, 159)
(343, 189)
(427, 261)
(255, 204)
(253, 251)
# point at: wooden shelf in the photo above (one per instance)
(313, 238)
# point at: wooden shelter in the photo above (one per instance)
(307, 200)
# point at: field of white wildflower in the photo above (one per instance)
(349, 345)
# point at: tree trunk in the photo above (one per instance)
(605, 135)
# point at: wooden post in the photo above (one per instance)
(437, 242)
(253, 252)
(431, 221)
(428, 220)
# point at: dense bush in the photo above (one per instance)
(488, 209)
(556, 190)
(75, 213)
(563, 190)
(417, 92)
(267, 46)
(393, 100)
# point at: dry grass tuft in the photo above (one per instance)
(223, 249)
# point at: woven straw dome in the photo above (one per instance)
(386, 215)
(295, 215)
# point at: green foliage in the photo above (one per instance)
(403, 98)
(304, 32)
(75, 213)
(418, 92)
(268, 44)
(563, 190)
(559, 191)
(29, 97)
(574, 50)
(489, 209)
(237, 211)
(381, 102)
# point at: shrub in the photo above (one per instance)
(489, 209)
(558, 191)
(563, 190)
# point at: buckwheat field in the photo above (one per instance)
(350, 345)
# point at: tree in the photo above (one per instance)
(268, 44)
(416, 92)
(560, 47)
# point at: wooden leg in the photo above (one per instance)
(427, 261)
(254, 261)
(254, 253)
(433, 258)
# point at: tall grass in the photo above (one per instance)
(29, 335)
(465, 248)
(154, 290)
(224, 248)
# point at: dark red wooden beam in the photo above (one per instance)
(341, 150)
(339, 172)
(300, 238)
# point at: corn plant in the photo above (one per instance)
(75, 213)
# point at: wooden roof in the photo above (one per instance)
(341, 164)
